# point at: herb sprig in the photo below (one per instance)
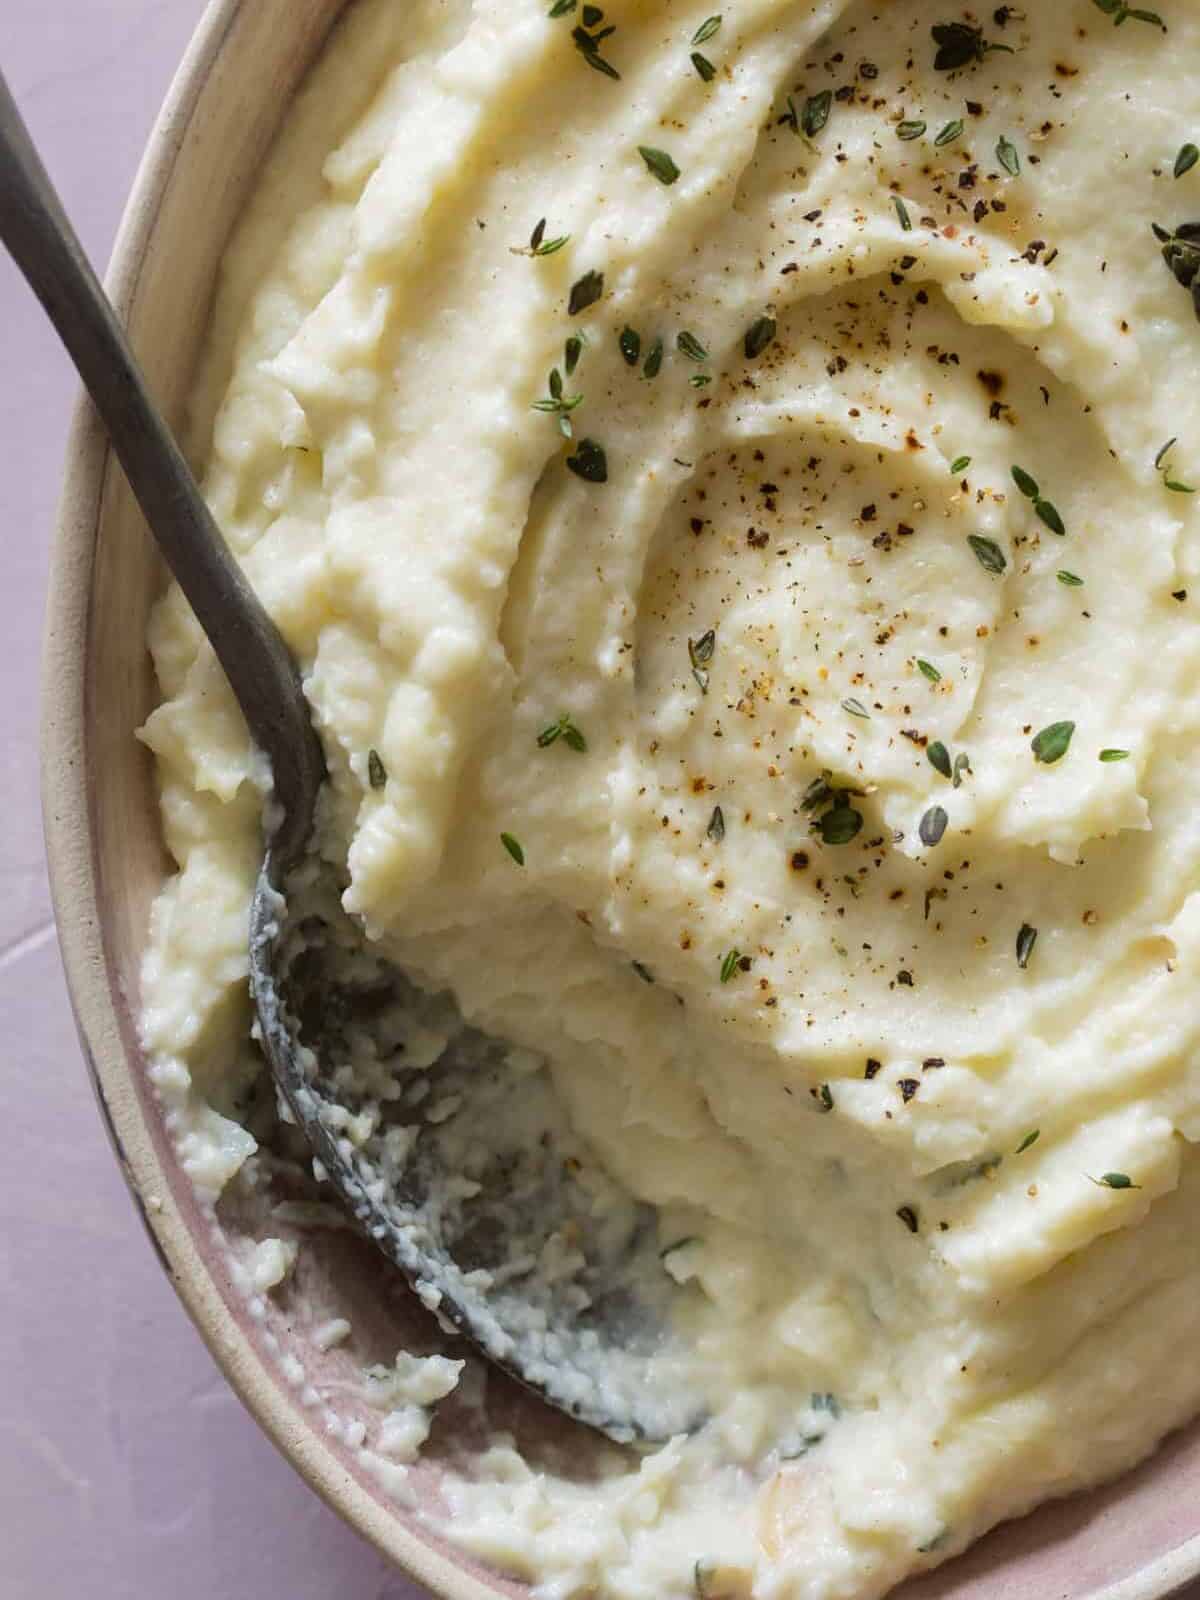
(558, 404)
(1044, 510)
(835, 819)
(565, 729)
(959, 45)
(539, 245)
(588, 42)
(1120, 12)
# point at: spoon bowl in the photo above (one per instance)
(454, 1154)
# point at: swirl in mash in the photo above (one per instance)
(885, 776)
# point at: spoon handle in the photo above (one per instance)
(35, 229)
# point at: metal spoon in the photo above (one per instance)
(450, 1149)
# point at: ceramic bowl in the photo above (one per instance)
(1135, 1540)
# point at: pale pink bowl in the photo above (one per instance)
(1137, 1540)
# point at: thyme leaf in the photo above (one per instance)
(652, 365)
(730, 962)
(716, 826)
(928, 670)
(933, 826)
(513, 846)
(988, 553)
(855, 707)
(758, 336)
(818, 791)
(840, 825)
(1186, 159)
(1114, 755)
(700, 654)
(815, 114)
(902, 213)
(949, 133)
(1069, 579)
(1047, 513)
(659, 163)
(376, 771)
(1052, 743)
(1028, 1141)
(939, 757)
(908, 131)
(688, 345)
(959, 465)
(585, 292)
(1026, 939)
(589, 462)
(1008, 156)
(707, 29)
(1115, 1180)
(629, 342)
(704, 67)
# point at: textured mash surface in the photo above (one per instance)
(920, 1319)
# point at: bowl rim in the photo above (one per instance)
(70, 844)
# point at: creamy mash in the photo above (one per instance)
(716, 473)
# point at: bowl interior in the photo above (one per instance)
(1136, 1539)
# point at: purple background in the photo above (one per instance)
(128, 1469)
